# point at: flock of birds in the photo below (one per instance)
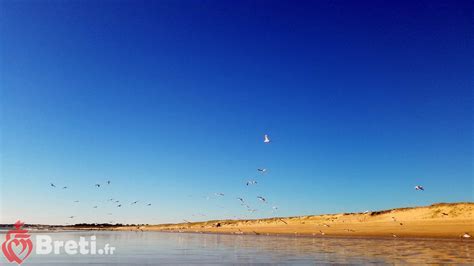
(243, 202)
(117, 203)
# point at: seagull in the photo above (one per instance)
(252, 182)
(97, 185)
(120, 205)
(149, 204)
(266, 139)
(275, 208)
(261, 198)
(71, 217)
(466, 235)
(110, 199)
(241, 199)
(53, 185)
(64, 187)
(419, 188)
(135, 202)
(95, 207)
(117, 201)
(76, 201)
(219, 194)
(262, 170)
(108, 182)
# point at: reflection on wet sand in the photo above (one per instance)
(140, 248)
(334, 249)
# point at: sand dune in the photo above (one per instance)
(442, 220)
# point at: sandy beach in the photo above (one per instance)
(442, 220)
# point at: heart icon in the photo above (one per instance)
(17, 257)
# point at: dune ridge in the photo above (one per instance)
(440, 220)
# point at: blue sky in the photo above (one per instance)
(170, 100)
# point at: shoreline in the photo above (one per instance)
(440, 221)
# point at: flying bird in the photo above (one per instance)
(71, 217)
(97, 185)
(419, 188)
(53, 185)
(64, 187)
(149, 204)
(241, 199)
(219, 194)
(108, 182)
(76, 201)
(95, 207)
(266, 139)
(120, 205)
(135, 202)
(262, 170)
(262, 199)
(252, 182)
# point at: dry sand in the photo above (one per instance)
(442, 220)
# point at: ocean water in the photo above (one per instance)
(148, 248)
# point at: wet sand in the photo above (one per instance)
(442, 220)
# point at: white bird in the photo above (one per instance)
(261, 198)
(120, 205)
(466, 235)
(71, 217)
(419, 188)
(266, 139)
(64, 187)
(95, 207)
(251, 182)
(149, 204)
(262, 170)
(275, 208)
(219, 194)
(135, 202)
(53, 185)
(76, 201)
(241, 199)
(97, 185)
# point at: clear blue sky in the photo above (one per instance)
(170, 100)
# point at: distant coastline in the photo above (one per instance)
(440, 220)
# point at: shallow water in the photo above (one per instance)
(142, 248)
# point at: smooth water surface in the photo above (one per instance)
(187, 248)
